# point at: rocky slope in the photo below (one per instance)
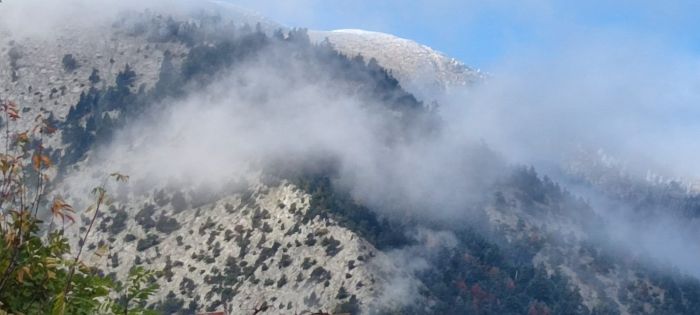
(50, 73)
(245, 249)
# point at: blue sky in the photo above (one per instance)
(483, 33)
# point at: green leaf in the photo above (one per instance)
(59, 305)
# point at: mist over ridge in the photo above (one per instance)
(559, 177)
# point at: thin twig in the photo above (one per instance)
(100, 199)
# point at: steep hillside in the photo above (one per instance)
(245, 249)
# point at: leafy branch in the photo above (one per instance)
(39, 272)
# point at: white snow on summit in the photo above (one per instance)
(420, 69)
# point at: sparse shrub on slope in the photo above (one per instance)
(70, 63)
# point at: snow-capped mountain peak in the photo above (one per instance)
(420, 69)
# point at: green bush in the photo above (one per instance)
(69, 63)
(167, 225)
(148, 242)
(119, 222)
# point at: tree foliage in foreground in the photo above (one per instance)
(39, 271)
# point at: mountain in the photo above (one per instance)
(420, 69)
(272, 169)
(264, 241)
